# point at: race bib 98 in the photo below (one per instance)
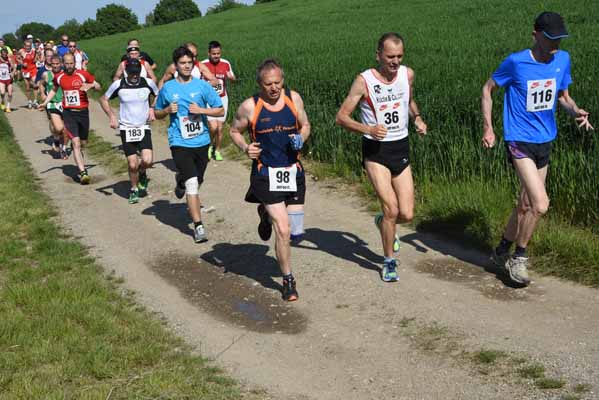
(191, 127)
(540, 95)
(71, 98)
(283, 179)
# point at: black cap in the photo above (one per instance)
(132, 66)
(552, 25)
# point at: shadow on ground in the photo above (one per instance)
(344, 245)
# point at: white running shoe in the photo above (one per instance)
(517, 267)
(199, 234)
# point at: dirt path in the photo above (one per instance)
(351, 336)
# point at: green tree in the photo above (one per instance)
(263, 1)
(224, 5)
(11, 40)
(167, 11)
(69, 27)
(115, 18)
(37, 29)
(90, 29)
(149, 19)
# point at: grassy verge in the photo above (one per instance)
(65, 331)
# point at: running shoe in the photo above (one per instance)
(265, 226)
(517, 267)
(217, 155)
(289, 290)
(179, 187)
(63, 154)
(390, 271)
(199, 234)
(500, 259)
(377, 221)
(134, 196)
(7, 110)
(29, 104)
(210, 150)
(142, 185)
(35, 104)
(84, 177)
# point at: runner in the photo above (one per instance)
(386, 99)
(54, 107)
(142, 54)
(63, 47)
(532, 78)
(75, 84)
(4, 46)
(134, 93)
(6, 73)
(146, 70)
(81, 59)
(46, 65)
(29, 71)
(222, 70)
(278, 127)
(186, 99)
(199, 70)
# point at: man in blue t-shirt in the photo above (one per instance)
(533, 80)
(63, 47)
(186, 100)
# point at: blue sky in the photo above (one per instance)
(14, 13)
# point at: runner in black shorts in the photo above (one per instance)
(75, 83)
(385, 96)
(537, 152)
(134, 93)
(188, 101)
(278, 127)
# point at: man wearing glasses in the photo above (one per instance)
(63, 47)
(81, 59)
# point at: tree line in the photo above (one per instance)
(116, 18)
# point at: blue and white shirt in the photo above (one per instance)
(185, 129)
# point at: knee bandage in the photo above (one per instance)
(192, 186)
(296, 221)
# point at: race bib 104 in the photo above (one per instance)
(283, 179)
(71, 98)
(540, 95)
(191, 127)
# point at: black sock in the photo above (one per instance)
(196, 224)
(288, 278)
(504, 246)
(520, 252)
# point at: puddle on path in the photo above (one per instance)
(230, 297)
(486, 282)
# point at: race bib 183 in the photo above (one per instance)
(134, 134)
(540, 95)
(191, 127)
(283, 179)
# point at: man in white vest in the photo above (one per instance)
(385, 97)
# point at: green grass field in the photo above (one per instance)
(66, 332)
(454, 46)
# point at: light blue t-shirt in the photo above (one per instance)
(531, 93)
(188, 130)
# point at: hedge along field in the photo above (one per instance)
(453, 46)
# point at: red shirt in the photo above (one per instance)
(73, 96)
(220, 72)
(28, 59)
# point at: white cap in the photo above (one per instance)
(29, 36)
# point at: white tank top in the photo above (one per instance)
(387, 104)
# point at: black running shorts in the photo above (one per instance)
(132, 148)
(190, 161)
(76, 123)
(394, 155)
(537, 152)
(259, 192)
